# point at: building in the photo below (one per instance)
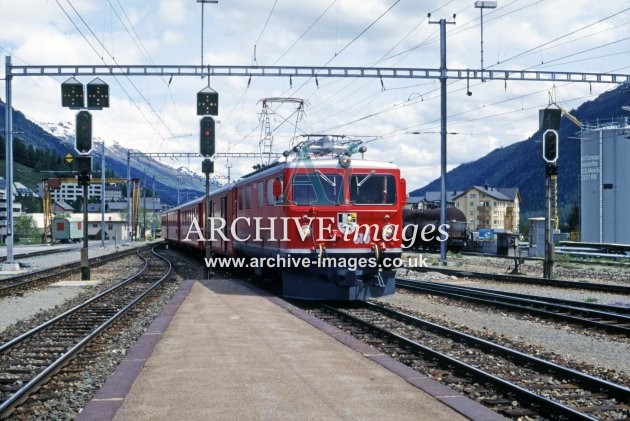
(115, 225)
(69, 191)
(488, 207)
(605, 190)
(17, 208)
(485, 207)
(430, 200)
(113, 193)
(61, 207)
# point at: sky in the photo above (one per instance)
(398, 118)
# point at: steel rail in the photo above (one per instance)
(612, 322)
(588, 305)
(528, 396)
(19, 396)
(617, 391)
(62, 270)
(551, 406)
(532, 280)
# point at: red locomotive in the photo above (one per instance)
(329, 224)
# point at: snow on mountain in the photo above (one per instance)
(177, 179)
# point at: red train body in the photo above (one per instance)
(329, 224)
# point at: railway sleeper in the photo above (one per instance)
(603, 408)
(517, 412)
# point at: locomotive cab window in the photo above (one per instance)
(317, 189)
(372, 189)
(275, 191)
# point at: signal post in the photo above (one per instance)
(72, 96)
(206, 149)
(84, 171)
(550, 123)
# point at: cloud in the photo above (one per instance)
(148, 113)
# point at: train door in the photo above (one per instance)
(231, 207)
(223, 215)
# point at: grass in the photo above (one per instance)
(25, 175)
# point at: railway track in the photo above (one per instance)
(53, 250)
(22, 282)
(510, 382)
(31, 359)
(613, 319)
(530, 280)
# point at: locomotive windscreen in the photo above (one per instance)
(317, 189)
(379, 189)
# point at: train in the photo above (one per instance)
(66, 230)
(458, 235)
(327, 221)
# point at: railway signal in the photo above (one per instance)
(206, 137)
(84, 169)
(207, 102)
(550, 146)
(72, 93)
(97, 94)
(83, 143)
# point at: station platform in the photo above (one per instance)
(223, 349)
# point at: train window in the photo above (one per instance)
(317, 189)
(369, 189)
(274, 191)
(248, 197)
(240, 199)
(260, 194)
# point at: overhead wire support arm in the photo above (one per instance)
(197, 155)
(306, 71)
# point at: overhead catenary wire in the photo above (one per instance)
(115, 78)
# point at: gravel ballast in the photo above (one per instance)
(566, 342)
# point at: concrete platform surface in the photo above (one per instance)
(230, 353)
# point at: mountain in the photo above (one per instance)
(59, 138)
(521, 164)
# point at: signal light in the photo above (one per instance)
(97, 94)
(207, 166)
(207, 102)
(72, 93)
(83, 143)
(206, 137)
(550, 146)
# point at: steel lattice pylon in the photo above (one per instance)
(266, 133)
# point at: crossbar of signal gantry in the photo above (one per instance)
(307, 71)
(197, 155)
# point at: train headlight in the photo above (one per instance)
(306, 231)
(344, 161)
(388, 232)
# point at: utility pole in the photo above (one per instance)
(203, 2)
(443, 78)
(129, 210)
(484, 5)
(207, 167)
(103, 194)
(9, 264)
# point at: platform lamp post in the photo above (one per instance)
(484, 5)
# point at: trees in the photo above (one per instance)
(26, 230)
